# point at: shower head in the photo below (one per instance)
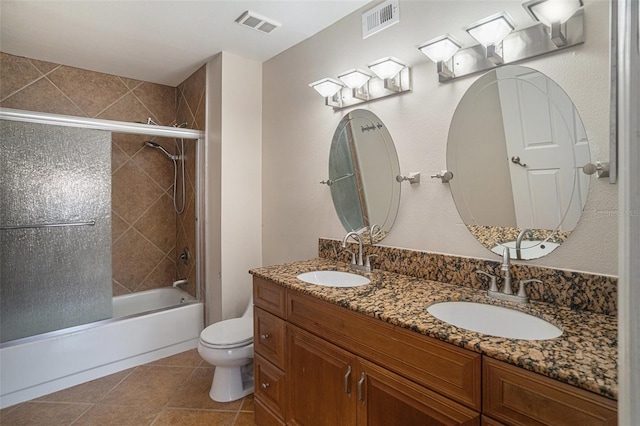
(158, 146)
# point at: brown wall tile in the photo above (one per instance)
(92, 91)
(15, 73)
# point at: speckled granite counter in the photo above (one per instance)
(584, 356)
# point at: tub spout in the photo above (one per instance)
(183, 281)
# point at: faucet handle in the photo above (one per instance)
(493, 285)
(368, 263)
(521, 292)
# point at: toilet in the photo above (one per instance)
(228, 346)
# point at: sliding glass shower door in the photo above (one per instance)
(55, 228)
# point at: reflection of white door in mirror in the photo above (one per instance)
(540, 128)
(517, 146)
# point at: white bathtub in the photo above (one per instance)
(39, 365)
(145, 301)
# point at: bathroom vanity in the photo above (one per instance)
(373, 355)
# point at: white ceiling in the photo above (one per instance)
(161, 41)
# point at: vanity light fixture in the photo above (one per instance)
(490, 32)
(392, 76)
(440, 50)
(559, 25)
(554, 14)
(329, 89)
(388, 69)
(357, 80)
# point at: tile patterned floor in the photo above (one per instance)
(171, 391)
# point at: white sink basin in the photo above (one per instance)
(333, 279)
(494, 320)
(529, 249)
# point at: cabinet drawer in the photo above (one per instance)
(269, 386)
(269, 337)
(519, 397)
(270, 297)
(444, 368)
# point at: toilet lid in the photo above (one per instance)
(233, 332)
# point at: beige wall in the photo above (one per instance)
(298, 128)
(233, 174)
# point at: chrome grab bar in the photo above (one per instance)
(47, 225)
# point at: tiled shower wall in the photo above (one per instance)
(190, 110)
(145, 229)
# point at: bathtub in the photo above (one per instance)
(146, 326)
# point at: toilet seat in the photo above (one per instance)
(228, 334)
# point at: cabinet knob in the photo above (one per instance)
(264, 385)
(264, 336)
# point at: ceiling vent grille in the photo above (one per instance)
(380, 17)
(257, 22)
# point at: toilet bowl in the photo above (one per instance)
(228, 346)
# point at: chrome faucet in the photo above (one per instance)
(507, 292)
(524, 233)
(356, 237)
(506, 268)
(357, 264)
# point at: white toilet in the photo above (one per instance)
(228, 346)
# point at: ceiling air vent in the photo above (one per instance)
(380, 17)
(257, 22)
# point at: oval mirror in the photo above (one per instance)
(363, 165)
(516, 147)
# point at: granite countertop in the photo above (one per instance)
(585, 355)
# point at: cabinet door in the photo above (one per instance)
(320, 380)
(386, 399)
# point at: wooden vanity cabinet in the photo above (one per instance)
(515, 396)
(330, 386)
(327, 371)
(446, 369)
(319, 364)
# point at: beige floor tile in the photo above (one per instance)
(245, 419)
(171, 416)
(148, 386)
(43, 413)
(247, 404)
(6, 410)
(120, 415)
(194, 393)
(89, 392)
(189, 358)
